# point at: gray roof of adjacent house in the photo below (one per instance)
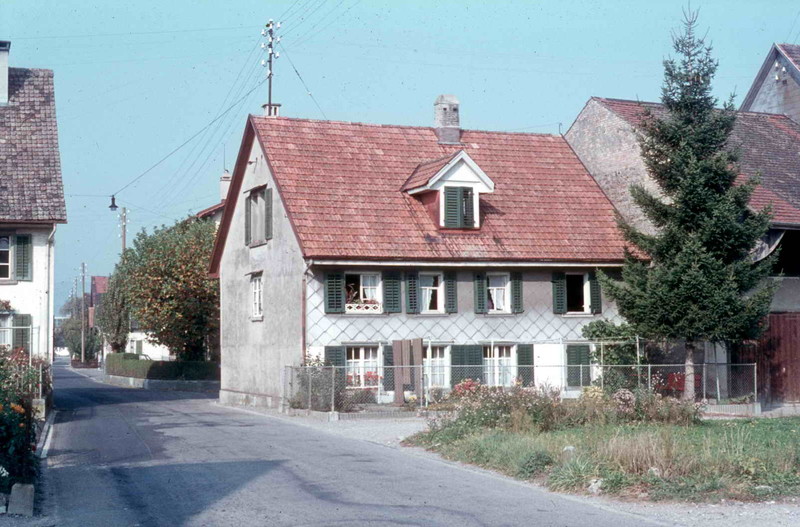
(30, 165)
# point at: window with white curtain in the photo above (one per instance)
(362, 366)
(435, 363)
(363, 292)
(499, 366)
(498, 292)
(430, 285)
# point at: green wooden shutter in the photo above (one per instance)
(388, 373)
(559, 293)
(450, 292)
(577, 355)
(595, 297)
(525, 363)
(452, 207)
(391, 292)
(21, 334)
(479, 280)
(138, 347)
(335, 356)
(412, 292)
(247, 213)
(268, 214)
(469, 208)
(516, 293)
(334, 292)
(458, 364)
(23, 252)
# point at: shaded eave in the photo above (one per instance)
(210, 210)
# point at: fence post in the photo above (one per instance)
(333, 389)
(705, 380)
(755, 383)
(649, 377)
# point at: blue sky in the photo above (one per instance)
(134, 80)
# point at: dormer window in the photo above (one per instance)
(459, 208)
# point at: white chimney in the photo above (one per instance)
(224, 184)
(5, 46)
(446, 120)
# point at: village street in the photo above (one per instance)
(134, 457)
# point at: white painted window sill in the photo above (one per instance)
(8, 282)
(577, 315)
(257, 319)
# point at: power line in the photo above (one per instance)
(137, 178)
(126, 33)
(303, 12)
(303, 82)
(323, 19)
(302, 41)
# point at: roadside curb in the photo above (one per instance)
(43, 443)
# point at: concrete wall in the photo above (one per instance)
(537, 322)
(607, 146)
(778, 96)
(33, 297)
(253, 352)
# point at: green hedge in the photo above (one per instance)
(123, 365)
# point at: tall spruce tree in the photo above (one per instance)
(694, 280)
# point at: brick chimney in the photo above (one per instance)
(5, 46)
(446, 121)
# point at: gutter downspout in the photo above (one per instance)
(303, 314)
(50, 285)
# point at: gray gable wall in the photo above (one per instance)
(775, 90)
(606, 144)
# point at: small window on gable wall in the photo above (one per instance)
(258, 216)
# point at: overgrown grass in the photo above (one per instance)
(736, 459)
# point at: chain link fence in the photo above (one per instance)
(348, 388)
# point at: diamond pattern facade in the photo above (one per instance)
(536, 323)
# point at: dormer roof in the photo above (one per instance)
(429, 175)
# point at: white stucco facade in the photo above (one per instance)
(33, 297)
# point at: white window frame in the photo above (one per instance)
(6, 333)
(506, 295)
(437, 369)
(500, 370)
(587, 295)
(363, 308)
(10, 263)
(360, 367)
(439, 295)
(257, 296)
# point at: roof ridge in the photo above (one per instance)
(749, 112)
(262, 118)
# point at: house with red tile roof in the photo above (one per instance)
(344, 240)
(31, 208)
(604, 136)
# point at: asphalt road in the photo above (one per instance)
(120, 457)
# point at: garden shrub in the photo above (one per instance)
(118, 364)
(534, 464)
(17, 430)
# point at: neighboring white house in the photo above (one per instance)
(32, 206)
(474, 250)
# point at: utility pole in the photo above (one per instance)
(124, 226)
(271, 110)
(83, 312)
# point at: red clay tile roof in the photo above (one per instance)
(210, 210)
(792, 52)
(768, 144)
(30, 165)
(340, 183)
(426, 170)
